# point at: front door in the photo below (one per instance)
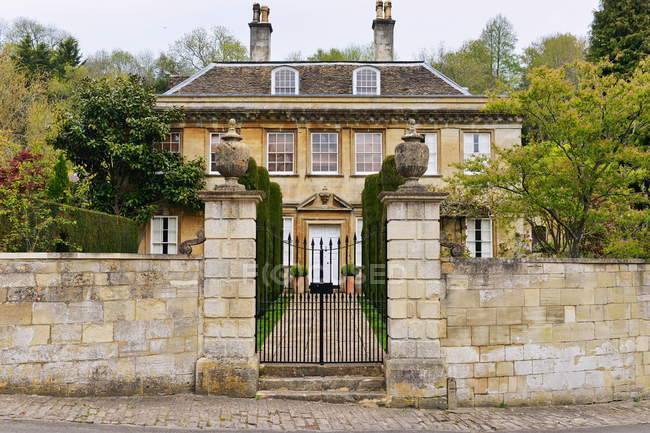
(324, 253)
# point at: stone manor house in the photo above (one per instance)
(321, 127)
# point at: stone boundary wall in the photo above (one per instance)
(98, 324)
(527, 332)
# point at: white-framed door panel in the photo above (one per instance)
(330, 258)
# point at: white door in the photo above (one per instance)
(324, 263)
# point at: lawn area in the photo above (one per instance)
(265, 324)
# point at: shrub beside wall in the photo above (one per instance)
(374, 223)
(92, 232)
(269, 232)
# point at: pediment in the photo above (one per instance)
(325, 201)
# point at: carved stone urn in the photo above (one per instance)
(231, 157)
(412, 159)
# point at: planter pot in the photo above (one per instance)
(349, 285)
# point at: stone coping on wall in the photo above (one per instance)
(94, 256)
(504, 261)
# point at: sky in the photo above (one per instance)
(299, 25)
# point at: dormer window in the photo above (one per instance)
(366, 82)
(284, 81)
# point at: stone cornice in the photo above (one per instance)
(231, 195)
(363, 116)
(412, 196)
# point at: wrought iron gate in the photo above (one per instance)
(322, 305)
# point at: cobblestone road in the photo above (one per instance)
(188, 411)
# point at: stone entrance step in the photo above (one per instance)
(326, 396)
(323, 383)
(345, 383)
(307, 370)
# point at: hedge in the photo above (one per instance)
(94, 232)
(374, 229)
(269, 234)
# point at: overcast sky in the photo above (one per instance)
(299, 25)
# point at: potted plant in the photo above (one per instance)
(349, 272)
(298, 274)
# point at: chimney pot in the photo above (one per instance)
(256, 13)
(388, 10)
(265, 14)
(380, 9)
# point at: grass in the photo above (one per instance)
(267, 322)
(377, 322)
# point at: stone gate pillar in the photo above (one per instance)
(228, 363)
(415, 372)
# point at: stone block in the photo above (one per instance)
(36, 335)
(415, 379)
(480, 335)
(428, 230)
(396, 211)
(462, 355)
(616, 312)
(463, 298)
(416, 290)
(397, 309)
(17, 280)
(182, 307)
(533, 315)
(555, 314)
(481, 316)
(151, 309)
(505, 368)
(531, 297)
(217, 268)
(242, 308)
(550, 297)
(406, 230)
(401, 349)
(67, 333)
(428, 309)
(16, 313)
(509, 316)
(499, 335)
(428, 270)
(485, 369)
(97, 333)
(492, 353)
(456, 317)
(458, 337)
(119, 310)
(514, 353)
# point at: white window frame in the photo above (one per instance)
(356, 153)
(467, 156)
(471, 239)
(268, 164)
(433, 156)
(169, 142)
(355, 80)
(169, 242)
(285, 240)
(296, 78)
(320, 172)
(212, 134)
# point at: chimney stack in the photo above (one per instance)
(384, 27)
(261, 30)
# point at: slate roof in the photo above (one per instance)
(317, 78)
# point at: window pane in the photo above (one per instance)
(164, 234)
(171, 143)
(368, 152)
(325, 152)
(479, 237)
(366, 82)
(280, 152)
(285, 82)
(215, 140)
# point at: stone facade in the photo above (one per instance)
(81, 324)
(525, 332)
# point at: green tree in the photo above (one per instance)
(575, 174)
(58, 187)
(620, 33)
(500, 40)
(27, 222)
(555, 51)
(469, 66)
(351, 52)
(108, 134)
(200, 47)
(35, 58)
(67, 54)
